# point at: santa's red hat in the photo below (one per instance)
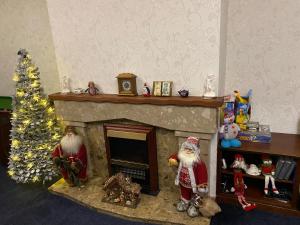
(191, 143)
(193, 140)
(265, 157)
(238, 157)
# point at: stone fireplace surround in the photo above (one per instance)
(175, 119)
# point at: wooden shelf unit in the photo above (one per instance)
(287, 145)
(260, 177)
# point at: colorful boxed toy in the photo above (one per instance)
(263, 135)
(252, 126)
(227, 107)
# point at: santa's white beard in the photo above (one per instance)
(188, 159)
(71, 144)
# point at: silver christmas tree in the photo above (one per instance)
(35, 130)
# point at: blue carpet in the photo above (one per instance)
(24, 204)
(234, 215)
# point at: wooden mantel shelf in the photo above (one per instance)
(174, 100)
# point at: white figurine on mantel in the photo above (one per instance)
(208, 87)
(65, 85)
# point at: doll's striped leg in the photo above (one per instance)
(267, 180)
(274, 189)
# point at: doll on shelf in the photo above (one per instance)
(92, 90)
(242, 109)
(146, 90)
(238, 166)
(268, 170)
(242, 118)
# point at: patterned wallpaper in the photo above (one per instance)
(25, 24)
(175, 40)
(263, 52)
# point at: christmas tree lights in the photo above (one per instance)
(35, 131)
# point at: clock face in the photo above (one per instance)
(126, 85)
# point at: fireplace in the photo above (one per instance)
(131, 149)
(168, 121)
(172, 120)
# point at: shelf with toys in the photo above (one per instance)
(287, 201)
(260, 177)
(256, 168)
(254, 194)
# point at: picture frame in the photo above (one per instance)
(166, 88)
(156, 90)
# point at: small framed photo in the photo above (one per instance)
(156, 88)
(166, 88)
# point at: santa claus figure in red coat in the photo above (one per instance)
(71, 157)
(191, 175)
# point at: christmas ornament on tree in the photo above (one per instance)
(34, 131)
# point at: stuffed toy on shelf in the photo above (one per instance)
(229, 131)
(92, 90)
(242, 109)
(268, 170)
(146, 90)
(238, 166)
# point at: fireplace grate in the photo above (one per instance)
(132, 172)
(131, 150)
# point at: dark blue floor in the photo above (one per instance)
(33, 205)
(234, 215)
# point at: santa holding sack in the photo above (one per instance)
(70, 156)
(191, 175)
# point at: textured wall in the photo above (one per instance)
(263, 51)
(157, 40)
(25, 24)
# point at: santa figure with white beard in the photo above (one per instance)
(191, 175)
(71, 157)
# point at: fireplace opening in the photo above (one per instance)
(128, 149)
(131, 149)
